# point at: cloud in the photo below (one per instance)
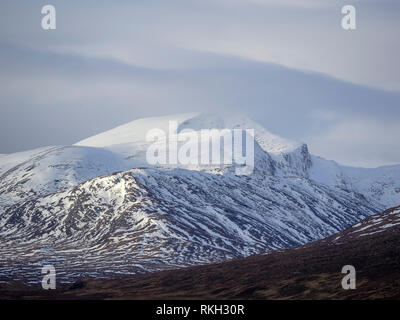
(360, 142)
(297, 34)
(111, 62)
(75, 96)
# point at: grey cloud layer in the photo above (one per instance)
(108, 63)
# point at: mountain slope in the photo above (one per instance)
(387, 221)
(46, 170)
(148, 219)
(42, 171)
(309, 272)
(100, 210)
(274, 155)
(380, 184)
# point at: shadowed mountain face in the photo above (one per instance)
(92, 210)
(309, 272)
(145, 220)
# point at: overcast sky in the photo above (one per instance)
(287, 63)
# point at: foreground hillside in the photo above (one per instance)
(309, 272)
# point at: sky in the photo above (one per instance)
(288, 64)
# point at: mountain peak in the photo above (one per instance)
(135, 131)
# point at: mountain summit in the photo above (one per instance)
(123, 139)
(99, 209)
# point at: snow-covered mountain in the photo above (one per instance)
(38, 172)
(98, 208)
(380, 185)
